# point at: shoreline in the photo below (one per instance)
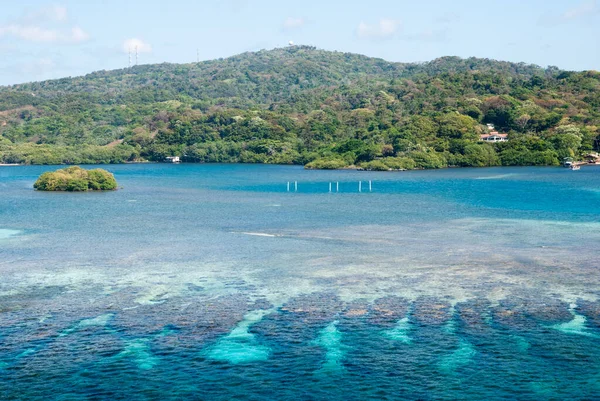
(347, 168)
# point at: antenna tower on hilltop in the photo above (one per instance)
(136, 55)
(130, 57)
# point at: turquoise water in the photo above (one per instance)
(215, 282)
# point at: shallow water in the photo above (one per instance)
(215, 282)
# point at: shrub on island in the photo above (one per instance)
(374, 165)
(390, 163)
(327, 163)
(76, 179)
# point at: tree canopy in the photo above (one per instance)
(301, 105)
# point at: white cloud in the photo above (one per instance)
(29, 32)
(294, 22)
(385, 28)
(35, 33)
(43, 25)
(132, 44)
(59, 13)
(53, 13)
(583, 9)
(79, 35)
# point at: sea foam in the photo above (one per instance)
(496, 177)
(5, 233)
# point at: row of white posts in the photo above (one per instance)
(337, 186)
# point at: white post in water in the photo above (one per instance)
(337, 186)
(288, 186)
(329, 187)
(295, 186)
(370, 186)
(360, 186)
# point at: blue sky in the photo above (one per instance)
(41, 39)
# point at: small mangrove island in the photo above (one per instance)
(76, 179)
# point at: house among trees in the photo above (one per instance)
(172, 159)
(593, 158)
(493, 135)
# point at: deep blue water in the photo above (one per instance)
(215, 282)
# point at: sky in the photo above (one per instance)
(45, 40)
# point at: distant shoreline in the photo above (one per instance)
(347, 168)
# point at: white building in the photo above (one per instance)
(494, 137)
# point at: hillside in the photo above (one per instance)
(303, 105)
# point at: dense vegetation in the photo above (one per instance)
(306, 106)
(76, 179)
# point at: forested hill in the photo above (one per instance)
(302, 105)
